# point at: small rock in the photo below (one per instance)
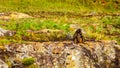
(4, 32)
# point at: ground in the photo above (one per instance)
(50, 21)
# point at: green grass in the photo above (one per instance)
(28, 61)
(106, 27)
(33, 24)
(77, 6)
(20, 26)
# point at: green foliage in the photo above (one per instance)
(33, 66)
(116, 22)
(33, 24)
(28, 61)
(4, 41)
(107, 20)
(107, 27)
(22, 25)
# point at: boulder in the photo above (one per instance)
(65, 54)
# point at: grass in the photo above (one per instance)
(77, 6)
(106, 27)
(21, 26)
(28, 61)
(33, 24)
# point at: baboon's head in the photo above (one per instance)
(78, 30)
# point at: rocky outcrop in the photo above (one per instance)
(65, 54)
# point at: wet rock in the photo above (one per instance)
(65, 54)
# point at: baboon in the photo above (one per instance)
(78, 37)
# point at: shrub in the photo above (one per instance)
(28, 61)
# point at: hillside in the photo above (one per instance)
(39, 33)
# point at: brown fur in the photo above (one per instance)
(78, 37)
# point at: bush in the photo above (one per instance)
(28, 61)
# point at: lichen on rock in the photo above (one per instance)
(65, 54)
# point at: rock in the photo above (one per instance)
(66, 54)
(13, 15)
(19, 15)
(69, 36)
(4, 32)
(74, 26)
(3, 64)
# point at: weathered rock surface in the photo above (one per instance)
(65, 54)
(3, 64)
(13, 15)
(4, 32)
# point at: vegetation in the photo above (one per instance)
(96, 27)
(100, 20)
(103, 28)
(60, 5)
(28, 61)
(33, 24)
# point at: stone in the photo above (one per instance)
(66, 54)
(4, 32)
(3, 64)
(13, 15)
